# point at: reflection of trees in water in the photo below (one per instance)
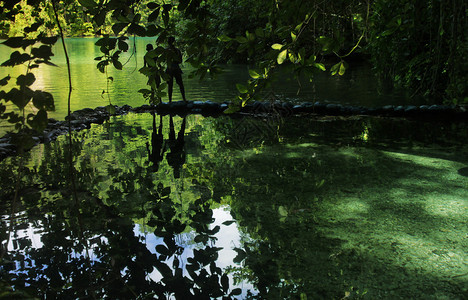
(121, 263)
(277, 203)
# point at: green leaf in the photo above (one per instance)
(282, 211)
(282, 56)
(224, 38)
(319, 66)
(343, 68)
(335, 68)
(277, 46)
(293, 36)
(254, 74)
(259, 32)
(242, 88)
(241, 39)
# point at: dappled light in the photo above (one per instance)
(298, 214)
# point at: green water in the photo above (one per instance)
(272, 208)
(357, 87)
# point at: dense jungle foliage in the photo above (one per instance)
(412, 44)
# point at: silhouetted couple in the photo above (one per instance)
(176, 157)
(173, 70)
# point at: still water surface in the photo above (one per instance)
(201, 208)
(357, 87)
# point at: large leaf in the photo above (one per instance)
(118, 27)
(14, 42)
(44, 101)
(242, 88)
(26, 80)
(282, 56)
(49, 40)
(254, 74)
(241, 39)
(123, 45)
(224, 38)
(19, 98)
(154, 15)
(16, 58)
(44, 52)
(277, 46)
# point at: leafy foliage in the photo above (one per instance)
(21, 95)
(422, 46)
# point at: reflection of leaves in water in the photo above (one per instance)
(90, 249)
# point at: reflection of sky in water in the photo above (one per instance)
(228, 238)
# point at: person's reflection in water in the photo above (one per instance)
(157, 144)
(176, 157)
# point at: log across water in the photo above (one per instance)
(82, 119)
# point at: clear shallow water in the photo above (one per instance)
(357, 87)
(325, 208)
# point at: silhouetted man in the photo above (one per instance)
(157, 144)
(176, 157)
(174, 58)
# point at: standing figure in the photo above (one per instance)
(157, 144)
(176, 157)
(174, 58)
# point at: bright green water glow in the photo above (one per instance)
(356, 87)
(318, 212)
